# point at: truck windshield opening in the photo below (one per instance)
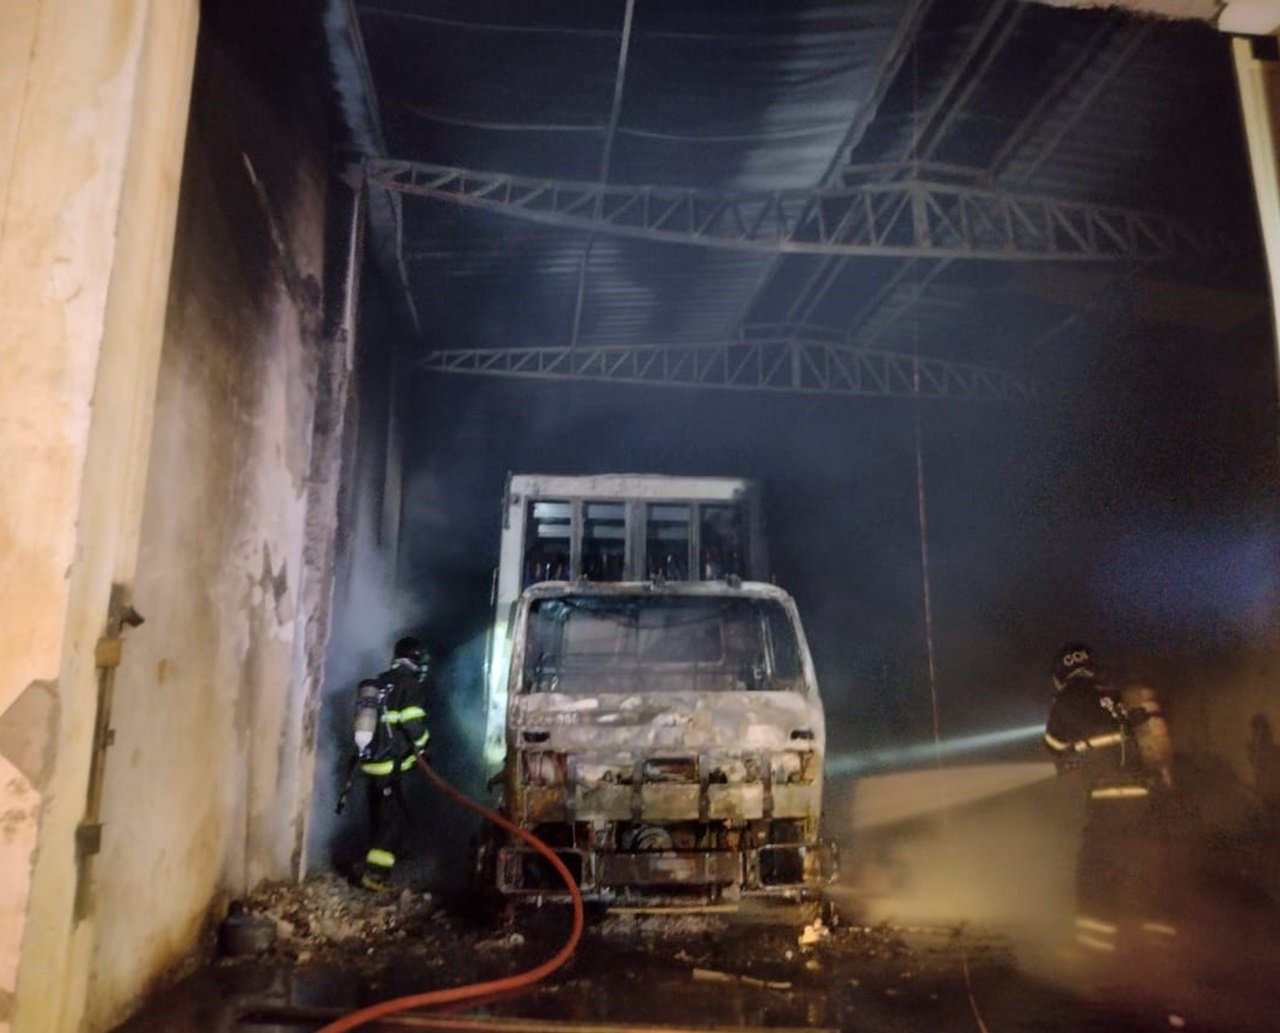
(602, 644)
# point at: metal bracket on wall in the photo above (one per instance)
(107, 655)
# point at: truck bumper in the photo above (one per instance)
(783, 869)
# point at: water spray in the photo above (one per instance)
(893, 785)
(862, 762)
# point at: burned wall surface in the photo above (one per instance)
(204, 781)
(370, 609)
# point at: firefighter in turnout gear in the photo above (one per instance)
(390, 728)
(1121, 755)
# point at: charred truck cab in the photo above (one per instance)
(664, 736)
(608, 528)
(666, 740)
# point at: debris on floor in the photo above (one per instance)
(508, 942)
(707, 975)
(337, 946)
(813, 933)
(241, 933)
(627, 924)
(326, 919)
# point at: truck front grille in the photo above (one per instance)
(671, 769)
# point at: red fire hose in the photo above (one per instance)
(454, 994)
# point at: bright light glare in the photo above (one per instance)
(496, 663)
(851, 764)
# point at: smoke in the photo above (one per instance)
(1004, 858)
(1005, 867)
(370, 613)
(1223, 574)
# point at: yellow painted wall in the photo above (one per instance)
(204, 697)
(157, 432)
(212, 694)
(204, 702)
(92, 119)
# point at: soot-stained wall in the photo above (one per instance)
(207, 779)
(370, 609)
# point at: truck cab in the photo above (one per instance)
(666, 739)
(612, 528)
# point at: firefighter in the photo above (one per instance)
(390, 729)
(1092, 735)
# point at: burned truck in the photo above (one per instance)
(608, 528)
(664, 736)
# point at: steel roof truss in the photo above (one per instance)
(904, 218)
(773, 364)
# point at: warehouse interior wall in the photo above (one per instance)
(174, 408)
(93, 111)
(371, 605)
(213, 694)
(1257, 66)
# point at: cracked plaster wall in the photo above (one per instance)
(212, 695)
(161, 434)
(93, 104)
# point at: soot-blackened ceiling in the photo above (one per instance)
(1094, 111)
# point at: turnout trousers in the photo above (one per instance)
(388, 820)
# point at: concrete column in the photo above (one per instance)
(93, 111)
(1259, 84)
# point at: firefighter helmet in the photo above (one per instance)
(409, 648)
(1074, 660)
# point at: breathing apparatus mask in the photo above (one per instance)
(410, 652)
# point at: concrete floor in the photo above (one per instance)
(1004, 959)
(731, 972)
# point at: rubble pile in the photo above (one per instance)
(326, 919)
(325, 923)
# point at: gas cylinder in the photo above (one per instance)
(368, 713)
(1152, 735)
